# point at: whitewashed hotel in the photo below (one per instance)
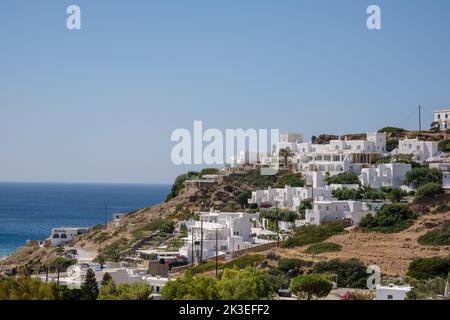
(333, 210)
(233, 234)
(385, 175)
(420, 151)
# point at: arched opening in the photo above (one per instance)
(56, 236)
(63, 236)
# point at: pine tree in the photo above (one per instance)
(89, 288)
(106, 278)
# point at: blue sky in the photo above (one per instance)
(99, 104)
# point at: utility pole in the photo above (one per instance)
(192, 245)
(278, 229)
(201, 240)
(105, 214)
(420, 120)
(217, 250)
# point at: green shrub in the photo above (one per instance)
(323, 247)
(391, 144)
(436, 237)
(428, 191)
(418, 177)
(287, 264)
(311, 285)
(245, 261)
(444, 145)
(427, 268)
(312, 234)
(350, 273)
(209, 171)
(293, 180)
(343, 178)
(391, 130)
(178, 185)
(391, 218)
(162, 225)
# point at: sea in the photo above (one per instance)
(28, 211)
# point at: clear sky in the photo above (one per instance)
(99, 104)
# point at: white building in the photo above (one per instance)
(442, 119)
(289, 197)
(392, 292)
(333, 210)
(385, 175)
(420, 150)
(61, 236)
(340, 155)
(118, 219)
(290, 140)
(233, 234)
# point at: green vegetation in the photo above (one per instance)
(242, 198)
(165, 226)
(312, 234)
(391, 218)
(437, 237)
(391, 144)
(427, 268)
(428, 191)
(234, 284)
(89, 288)
(391, 130)
(427, 289)
(350, 273)
(240, 263)
(418, 177)
(178, 185)
(317, 248)
(293, 180)
(283, 215)
(400, 158)
(113, 251)
(311, 285)
(343, 178)
(444, 145)
(253, 179)
(209, 171)
(286, 154)
(26, 288)
(292, 266)
(135, 291)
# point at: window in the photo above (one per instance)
(390, 297)
(446, 116)
(439, 116)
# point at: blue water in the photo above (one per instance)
(30, 210)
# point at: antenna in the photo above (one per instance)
(105, 214)
(420, 120)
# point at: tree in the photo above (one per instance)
(26, 270)
(190, 287)
(418, 177)
(232, 206)
(243, 197)
(428, 191)
(106, 278)
(60, 264)
(89, 288)
(27, 288)
(395, 195)
(426, 268)
(343, 178)
(286, 154)
(101, 260)
(391, 218)
(311, 285)
(350, 273)
(247, 284)
(134, 291)
(444, 145)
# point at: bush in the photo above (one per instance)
(391, 144)
(323, 247)
(293, 180)
(178, 185)
(427, 268)
(444, 145)
(350, 273)
(436, 237)
(288, 265)
(162, 225)
(312, 234)
(391, 130)
(391, 218)
(428, 191)
(209, 171)
(343, 178)
(418, 177)
(311, 285)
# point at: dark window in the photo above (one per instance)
(390, 297)
(63, 236)
(55, 236)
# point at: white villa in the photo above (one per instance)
(289, 197)
(392, 292)
(385, 175)
(421, 151)
(442, 119)
(61, 236)
(233, 234)
(340, 155)
(333, 210)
